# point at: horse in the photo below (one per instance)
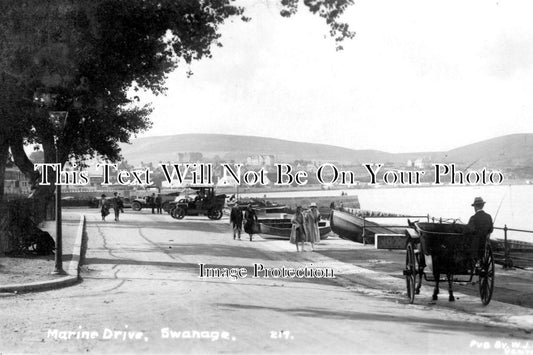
(438, 260)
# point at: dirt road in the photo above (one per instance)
(142, 292)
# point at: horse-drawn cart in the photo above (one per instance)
(449, 249)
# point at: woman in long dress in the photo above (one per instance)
(311, 218)
(297, 231)
(104, 207)
(250, 221)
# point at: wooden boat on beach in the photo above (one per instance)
(275, 204)
(261, 206)
(350, 226)
(281, 228)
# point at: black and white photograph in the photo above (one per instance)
(266, 177)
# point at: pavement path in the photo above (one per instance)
(31, 272)
(141, 278)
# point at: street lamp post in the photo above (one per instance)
(58, 120)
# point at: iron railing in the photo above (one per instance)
(505, 258)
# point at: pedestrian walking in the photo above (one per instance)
(117, 205)
(236, 219)
(251, 225)
(121, 204)
(297, 230)
(159, 203)
(104, 207)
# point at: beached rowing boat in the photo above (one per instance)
(281, 228)
(352, 227)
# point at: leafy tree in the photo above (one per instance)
(83, 57)
(330, 10)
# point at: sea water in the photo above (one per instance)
(510, 205)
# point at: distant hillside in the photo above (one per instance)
(516, 149)
(229, 147)
(510, 150)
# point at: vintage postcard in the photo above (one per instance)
(266, 176)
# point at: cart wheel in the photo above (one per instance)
(178, 213)
(410, 271)
(486, 276)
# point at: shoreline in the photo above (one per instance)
(254, 192)
(318, 187)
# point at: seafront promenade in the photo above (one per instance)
(141, 291)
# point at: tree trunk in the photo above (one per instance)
(42, 194)
(4, 151)
(21, 159)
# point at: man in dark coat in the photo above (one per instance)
(251, 224)
(480, 225)
(159, 204)
(117, 205)
(235, 219)
(152, 203)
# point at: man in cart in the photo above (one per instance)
(480, 225)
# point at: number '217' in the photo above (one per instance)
(281, 334)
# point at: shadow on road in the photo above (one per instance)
(194, 268)
(234, 251)
(425, 324)
(169, 223)
(506, 288)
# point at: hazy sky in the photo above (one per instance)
(418, 76)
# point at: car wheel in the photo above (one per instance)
(215, 214)
(136, 206)
(178, 213)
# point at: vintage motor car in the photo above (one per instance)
(203, 202)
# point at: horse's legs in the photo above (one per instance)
(436, 289)
(420, 270)
(451, 298)
(436, 276)
(419, 285)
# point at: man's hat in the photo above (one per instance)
(313, 204)
(478, 201)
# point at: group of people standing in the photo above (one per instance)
(155, 203)
(305, 227)
(248, 219)
(116, 203)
